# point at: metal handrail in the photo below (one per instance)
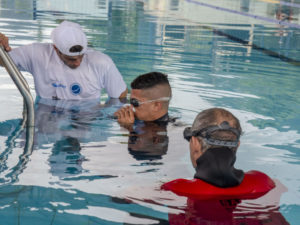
(21, 84)
(28, 114)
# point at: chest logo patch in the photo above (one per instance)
(75, 89)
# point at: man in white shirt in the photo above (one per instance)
(67, 68)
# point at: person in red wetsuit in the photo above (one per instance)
(214, 139)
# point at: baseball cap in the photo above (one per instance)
(69, 34)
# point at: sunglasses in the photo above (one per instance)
(137, 103)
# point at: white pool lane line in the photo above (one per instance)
(282, 3)
(275, 21)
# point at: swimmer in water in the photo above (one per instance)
(149, 100)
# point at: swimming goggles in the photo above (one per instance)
(137, 103)
(206, 133)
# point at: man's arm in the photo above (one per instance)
(124, 94)
(111, 78)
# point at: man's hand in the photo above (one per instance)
(125, 115)
(4, 42)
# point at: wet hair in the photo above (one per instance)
(76, 48)
(216, 116)
(149, 80)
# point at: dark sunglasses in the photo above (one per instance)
(137, 103)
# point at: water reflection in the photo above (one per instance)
(68, 130)
(228, 212)
(148, 141)
(64, 126)
(66, 159)
(57, 206)
(56, 119)
(69, 126)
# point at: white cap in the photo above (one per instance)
(68, 34)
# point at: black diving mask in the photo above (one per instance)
(206, 133)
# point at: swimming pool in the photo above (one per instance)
(240, 55)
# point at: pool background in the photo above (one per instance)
(214, 57)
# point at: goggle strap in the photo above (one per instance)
(137, 103)
(212, 141)
(224, 126)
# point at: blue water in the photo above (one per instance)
(231, 54)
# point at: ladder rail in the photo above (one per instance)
(28, 115)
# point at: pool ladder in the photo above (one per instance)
(28, 108)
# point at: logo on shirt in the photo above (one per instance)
(75, 89)
(56, 85)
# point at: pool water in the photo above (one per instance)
(242, 55)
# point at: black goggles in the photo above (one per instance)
(137, 103)
(206, 133)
